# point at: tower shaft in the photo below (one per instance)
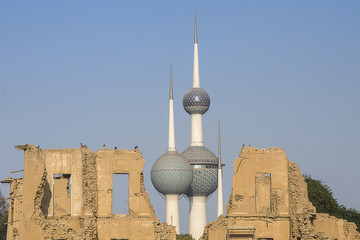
(220, 194)
(171, 127)
(196, 130)
(171, 146)
(220, 187)
(172, 211)
(197, 215)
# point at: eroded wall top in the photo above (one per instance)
(260, 183)
(67, 194)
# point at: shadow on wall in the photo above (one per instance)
(45, 201)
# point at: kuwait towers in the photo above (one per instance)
(204, 163)
(172, 174)
(197, 170)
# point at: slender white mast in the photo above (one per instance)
(196, 118)
(196, 76)
(220, 189)
(172, 211)
(172, 200)
(171, 116)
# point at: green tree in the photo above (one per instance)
(3, 216)
(186, 236)
(321, 196)
(323, 199)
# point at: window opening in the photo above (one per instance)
(120, 193)
(62, 194)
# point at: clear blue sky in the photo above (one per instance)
(279, 73)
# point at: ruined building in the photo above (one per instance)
(67, 194)
(269, 201)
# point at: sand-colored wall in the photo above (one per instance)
(125, 228)
(141, 220)
(259, 198)
(15, 206)
(334, 227)
(242, 228)
(85, 211)
(263, 178)
(269, 195)
(255, 172)
(65, 161)
(131, 162)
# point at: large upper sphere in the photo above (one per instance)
(171, 174)
(196, 100)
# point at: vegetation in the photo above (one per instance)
(322, 198)
(184, 237)
(3, 216)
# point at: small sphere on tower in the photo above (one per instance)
(171, 174)
(196, 100)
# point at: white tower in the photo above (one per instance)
(196, 102)
(220, 185)
(172, 174)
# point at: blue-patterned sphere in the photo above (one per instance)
(204, 182)
(199, 155)
(204, 164)
(196, 100)
(171, 174)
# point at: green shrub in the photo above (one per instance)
(323, 199)
(186, 236)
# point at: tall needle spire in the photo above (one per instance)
(171, 84)
(171, 116)
(195, 35)
(196, 77)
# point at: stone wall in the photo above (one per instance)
(269, 200)
(67, 194)
(260, 183)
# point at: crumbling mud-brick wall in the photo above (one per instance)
(65, 195)
(269, 200)
(15, 206)
(305, 222)
(259, 203)
(260, 183)
(141, 222)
